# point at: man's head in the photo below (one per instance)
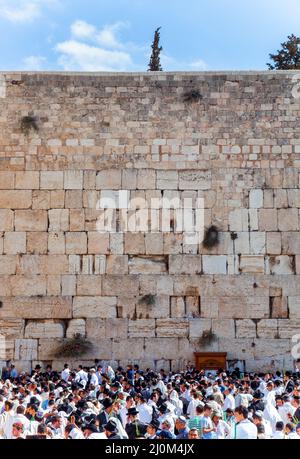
(207, 410)
(181, 423)
(193, 434)
(17, 429)
(241, 413)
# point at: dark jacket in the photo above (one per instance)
(135, 430)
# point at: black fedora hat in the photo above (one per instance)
(111, 426)
(107, 403)
(132, 412)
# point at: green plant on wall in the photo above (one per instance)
(29, 123)
(149, 299)
(74, 347)
(207, 338)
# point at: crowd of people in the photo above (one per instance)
(129, 403)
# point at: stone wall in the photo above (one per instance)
(235, 143)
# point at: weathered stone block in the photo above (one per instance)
(44, 330)
(117, 264)
(31, 220)
(141, 328)
(267, 219)
(118, 285)
(223, 328)
(172, 328)
(101, 307)
(194, 180)
(76, 243)
(7, 180)
(267, 328)
(147, 265)
(256, 199)
(288, 219)
(177, 306)
(245, 328)
(252, 264)
(14, 243)
(12, 199)
(89, 285)
(135, 243)
(73, 180)
(214, 264)
(98, 243)
(116, 328)
(282, 264)
(95, 328)
(76, 327)
(36, 307)
(28, 180)
(159, 310)
(6, 220)
(109, 180)
(185, 264)
(52, 180)
(26, 349)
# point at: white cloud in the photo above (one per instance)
(170, 64)
(81, 29)
(23, 11)
(198, 64)
(81, 56)
(34, 63)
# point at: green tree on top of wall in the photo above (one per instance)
(288, 57)
(154, 64)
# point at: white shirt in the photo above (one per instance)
(145, 413)
(65, 374)
(229, 402)
(191, 411)
(246, 430)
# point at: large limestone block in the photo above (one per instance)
(129, 177)
(73, 199)
(29, 285)
(236, 307)
(88, 285)
(245, 328)
(165, 285)
(167, 180)
(120, 285)
(274, 243)
(41, 200)
(26, 349)
(12, 328)
(116, 328)
(73, 180)
(154, 244)
(198, 327)
(267, 219)
(116, 243)
(195, 180)
(243, 220)
(177, 307)
(44, 330)
(36, 307)
(76, 243)
(185, 264)
(271, 348)
(15, 199)
(172, 328)
(37, 243)
(6, 220)
(291, 243)
(117, 264)
(294, 307)
(76, 327)
(257, 243)
(44, 264)
(27, 180)
(31, 220)
(126, 307)
(98, 243)
(159, 310)
(223, 328)
(147, 265)
(7, 180)
(288, 219)
(146, 179)
(240, 349)
(135, 243)
(161, 348)
(109, 180)
(89, 306)
(135, 347)
(95, 328)
(282, 264)
(56, 243)
(58, 220)
(52, 180)
(252, 264)
(288, 328)
(8, 264)
(214, 264)
(256, 198)
(267, 328)
(141, 328)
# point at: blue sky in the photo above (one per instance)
(115, 35)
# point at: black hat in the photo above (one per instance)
(132, 412)
(111, 426)
(91, 427)
(155, 424)
(163, 408)
(107, 402)
(258, 395)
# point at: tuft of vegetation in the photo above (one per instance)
(154, 64)
(192, 96)
(29, 123)
(207, 338)
(288, 57)
(149, 299)
(211, 237)
(74, 347)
